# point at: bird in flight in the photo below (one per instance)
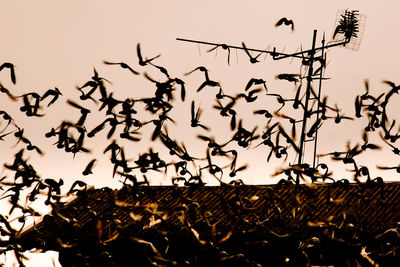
(139, 54)
(253, 60)
(195, 121)
(250, 97)
(225, 47)
(51, 92)
(200, 68)
(10, 66)
(288, 77)
(123, 65)
(7, 92)
(4, 135)
(88, 169)
(286, 22)
(254, 81)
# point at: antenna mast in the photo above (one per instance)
(349, 28)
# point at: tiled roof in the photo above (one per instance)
(371, 208)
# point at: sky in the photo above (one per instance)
(57, 44)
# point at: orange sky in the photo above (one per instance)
(58, 45)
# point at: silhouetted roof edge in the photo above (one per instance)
(387, 213)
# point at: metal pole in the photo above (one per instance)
(309, 80)
(230, 46)
(319, 99)
(275, 55)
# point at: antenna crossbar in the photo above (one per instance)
(275, 55)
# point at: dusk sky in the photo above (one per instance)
(55, 44)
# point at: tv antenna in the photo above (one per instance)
(349, 28)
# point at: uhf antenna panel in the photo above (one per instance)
(349, 27)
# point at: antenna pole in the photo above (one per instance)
(319, 98)
(303, 128)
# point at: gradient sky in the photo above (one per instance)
(55, 44)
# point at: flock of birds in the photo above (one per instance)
(122, 119)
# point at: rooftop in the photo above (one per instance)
(266, 211)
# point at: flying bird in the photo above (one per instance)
(253, 60)
(338, 118)
(4, 135)
(254, 81)
(397, 168)
(10, 66)
(89, 167)
(195, 121)
(200, 68)
(225, 47)
(6, 117)
(7, 92)
(75, 105)
(51, 92)
(161, 69)
(249, 97)
(139, 54)
(288, 77)
(264, 112)
(123, 65)
(286, 22)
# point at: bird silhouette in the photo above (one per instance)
(288, 77)
(208, 83)
(280, 100)
(268, 133)
(115, 150)
(4, 135)
(6, 117)
(395, 150)
(143, 62)
(89, 167)
(7, 92)
(31, 104)
(168, 142)
(292, 121)
(227, 111)
(264, 112)
(213, 169)
(288, 139)
(10, 66)
(253, 60)
(129, 136)
(235, 170)
(366, 94)
(397, 168)
(75, 105)
(339, 117)
(202, 69)
(358, 106)
(297, 100)
(216, 149)
(223, 46)
(123, 65)
(314, 127)
(195, 120)
(348, 155)
(286, 22)
(367, 145)
(97, 78)
(110, 102)
(249, 97)
(244, 137)
(161, 69)
(182, 84)
(254, 81)
(51, 92)
(75, 187)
